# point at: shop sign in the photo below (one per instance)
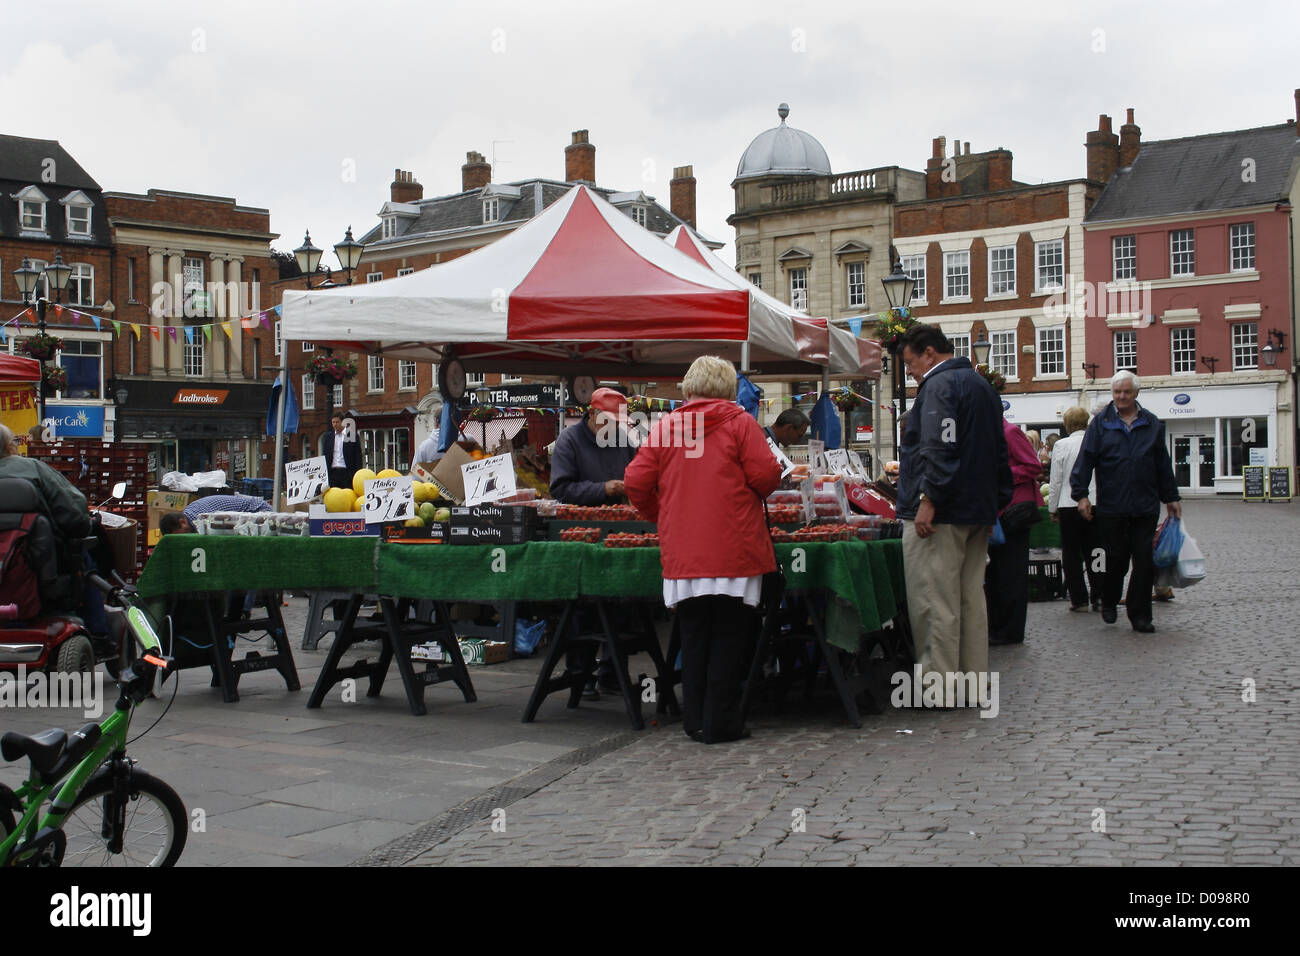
(541, 395)
(76, 421)
(200, 396)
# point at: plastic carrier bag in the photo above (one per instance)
(1168, 543)
(999, 537)
(528, 636)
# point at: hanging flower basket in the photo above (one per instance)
(54, 379)
(482, 413)
(893, 327)
(638, 405)
(330, 369)
(40, 347)
(993, 377)
(846, 401)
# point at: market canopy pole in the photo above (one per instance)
(278, 483)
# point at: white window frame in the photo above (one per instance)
(756, 280)
(374, 276)
(638, 215)
(374, 373)
(960, 344)
(1236, 231)
(405, 272)
(308, 403)
(81, 208)
(1043, 348)
(58, 360)
(799, 289)
(309, 346)
(189, 350)
(1128, 336)
(1045, 255)
(1182, 243)
(914, 266)
(192, 266)
(279, 342)
(474, 380)
(76, 299)
(1183, 334)
(388, 227)
(403, 367)
(953, 265)
(40, 204)
(1123, 262)
(856, 291)
(1245, 346)
(491, 209)
(999, 252)
(1001, 346)
(338, 395)
(42, 290)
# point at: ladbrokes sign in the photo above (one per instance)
(200, 396)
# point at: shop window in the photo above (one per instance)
(82, 360)
(386, 448)
(1237, 452)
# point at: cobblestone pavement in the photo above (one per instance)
(1108, 748)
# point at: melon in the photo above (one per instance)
(359, 480)
(339, 499)
(389, 473)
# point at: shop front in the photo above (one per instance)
(1214, 431)
(200, 427)
(1040, 411)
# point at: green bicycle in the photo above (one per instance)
(108, 812)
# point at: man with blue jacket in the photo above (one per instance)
(1126, 447)
(953, 479)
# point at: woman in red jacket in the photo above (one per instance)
(702, 474)
(1006, 580)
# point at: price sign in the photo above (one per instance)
(837, 462)
(1252, 483)
(1279, 483)
(305, 480)
(806, 491)
(389, 499)
(855, 460)
(489, 479)
(787, 465)
(816, 452)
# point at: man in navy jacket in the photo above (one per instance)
(1125, 444)
(953, 479)
(590, 457)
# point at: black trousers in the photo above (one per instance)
(1128, 540)
(717, 632)
(1078, 541)
(340, 477)
(1006, 588)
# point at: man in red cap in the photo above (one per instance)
(590, 457)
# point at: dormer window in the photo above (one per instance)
(491, 210)
(389, 227)
(77, 206)
(638, 215)
(31, 209)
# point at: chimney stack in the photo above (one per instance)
(681, 194)
(1130, 141)
(476, 173)
(1297, 108)
(580, 160)
(404, 188)
(999, 167)
(1103, 151)
(934, 168)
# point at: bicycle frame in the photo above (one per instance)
(33, 793)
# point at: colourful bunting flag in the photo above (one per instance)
(171, 330)
(136, 329)
(153, 330)
(117, 327)
(225, 327)
(207, 332)
(95, 319)
(189, 334)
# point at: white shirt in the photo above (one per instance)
(933, 367)
(428, 450)
(750, 590)
(1064, 454)
(338, 461)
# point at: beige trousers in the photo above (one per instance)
(945, 597)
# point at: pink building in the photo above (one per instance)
(1190, 273)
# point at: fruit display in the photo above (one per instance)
(824, 532)
(359, 480)
(339, 499)
(784, 514)
(598, 513)
(618, 539)
(589, 535)
(389, 473)
(784, 497)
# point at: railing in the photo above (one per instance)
(804, 191)
(861, 181)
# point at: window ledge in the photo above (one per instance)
(1055, 290)
(407, 388)
(1002, 297)
(1051, 377)
(958, 300)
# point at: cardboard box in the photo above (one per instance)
(489, 534)
(157, 504)
(435, 533)
(494, 514)
(341, 524)
(428, 652)
(447, 472)
(478, 651)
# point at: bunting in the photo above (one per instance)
(250, 322)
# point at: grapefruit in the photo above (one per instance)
(359, 480)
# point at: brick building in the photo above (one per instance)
(392, 399)
(1191, 259)
(992, 258)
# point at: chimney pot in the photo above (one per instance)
(476, 173)
(580, 159)
(404, 187)
(1297, 107)
(1130, 141)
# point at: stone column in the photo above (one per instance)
(176, 278)
(237, 307)
(219, 311)
(157, 297)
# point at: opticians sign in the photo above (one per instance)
(76, 421)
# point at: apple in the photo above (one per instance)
(428, 512)
(442, 514)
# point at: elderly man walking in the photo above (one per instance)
(953, 479)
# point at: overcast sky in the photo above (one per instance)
(307, 108)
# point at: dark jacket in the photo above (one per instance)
(63, 504)
(953, 449)
(351, 452)
(580, 467)
(1134, 474)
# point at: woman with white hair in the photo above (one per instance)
(1125, 446)
(702, 474)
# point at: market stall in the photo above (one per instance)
(19, 378)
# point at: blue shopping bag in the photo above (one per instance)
(1168, 543)
(528, 636)
(999, 537)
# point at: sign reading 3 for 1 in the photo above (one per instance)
(389, 499)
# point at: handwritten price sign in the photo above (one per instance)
(489, 479)
(389, 499)
(305, 480)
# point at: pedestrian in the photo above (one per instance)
(427, 451)
(702, 474)
(953, 478)
(1125, 447)
(1078, 537)
(789, 428)
(1006, 580)
(343, 457)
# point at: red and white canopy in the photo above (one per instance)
(817, 340)
(579, 289)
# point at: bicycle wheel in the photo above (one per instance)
(155, 831)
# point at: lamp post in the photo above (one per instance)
(27, 276)
(1271, 351)
(898, 293)
(349, 255)
(980, 348)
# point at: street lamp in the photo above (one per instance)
(308, 257)
(981, 348)
(349, 253)
(1270, 352)
(898, 293)
(28, 277)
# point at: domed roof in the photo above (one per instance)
(783, 151)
